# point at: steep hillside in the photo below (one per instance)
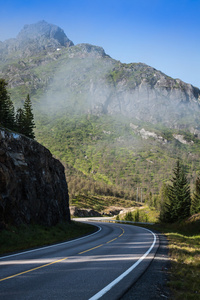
(121, 154)
(115, 126)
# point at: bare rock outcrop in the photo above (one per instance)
(83, 212)
(33, 187)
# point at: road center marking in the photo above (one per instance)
(111, 241)
(91, 249)
(30, 270)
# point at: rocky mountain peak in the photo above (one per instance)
(45, 30)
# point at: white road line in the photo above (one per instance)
(118, 279)
(51, 246)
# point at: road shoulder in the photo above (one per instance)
(152, 284)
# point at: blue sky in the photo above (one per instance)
(161, 33)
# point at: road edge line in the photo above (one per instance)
(119, 278)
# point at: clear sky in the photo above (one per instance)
(164, 34)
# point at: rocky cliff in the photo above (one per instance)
(33, 187)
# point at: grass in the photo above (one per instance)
(184, 252)
(24, 237)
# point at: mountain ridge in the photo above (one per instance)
(42, 61)
(48, 37)
(120, 124)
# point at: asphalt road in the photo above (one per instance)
(103, 265)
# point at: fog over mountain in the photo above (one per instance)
(45, 63)
(112, 122)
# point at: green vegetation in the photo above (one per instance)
(133, 74)
(29, 236)
(23, 121)
(7, 118)
(104, 155)
(100, 203)
(143, 214)
(179, 201)
(195, 202)
(184, 251)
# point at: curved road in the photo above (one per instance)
(103, 265)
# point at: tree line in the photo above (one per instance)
(23, 120)
(175, 200)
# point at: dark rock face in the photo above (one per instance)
(33, 187)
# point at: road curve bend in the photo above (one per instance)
(99, 266)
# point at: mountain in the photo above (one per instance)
(44, 62)
(32, 39)
(115, 126)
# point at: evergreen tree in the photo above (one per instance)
(7, 115)
(24, 120)
(28, 118)
(195, 202)
(179, 204)
(10, 120)
(163, 201)
(20, 121)
(3, 101)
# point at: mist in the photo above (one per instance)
(106, 120)
(84, 84)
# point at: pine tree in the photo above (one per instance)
(20, 121)
(163, 202)
(10, 119)
(28, 118)
(195, 202)
(3, 101)
(179, 204)
(24, 120)
(7, 115)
